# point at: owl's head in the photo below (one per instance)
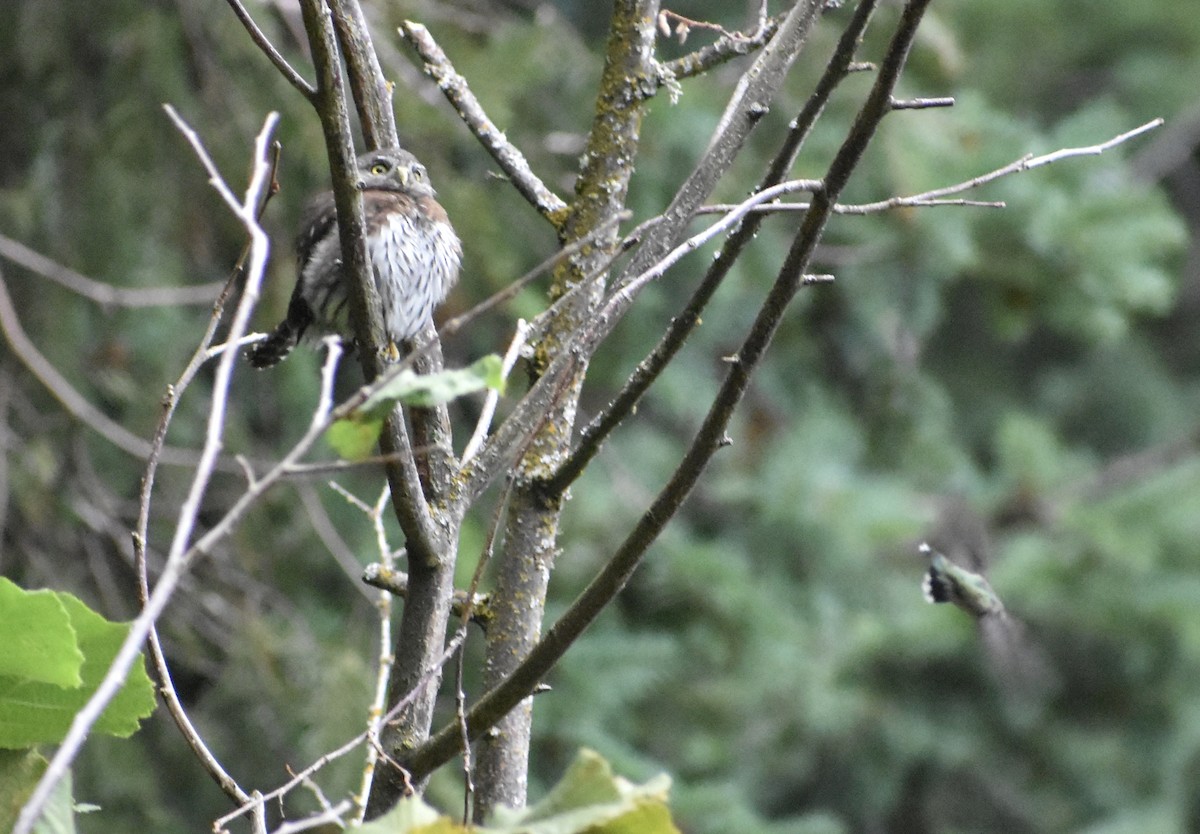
(394, 170)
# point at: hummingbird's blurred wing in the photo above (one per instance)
(1014, 659)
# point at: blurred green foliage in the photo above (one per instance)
(774, 655)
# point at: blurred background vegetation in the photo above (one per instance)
(1037, 364)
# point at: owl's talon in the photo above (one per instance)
(391, 353)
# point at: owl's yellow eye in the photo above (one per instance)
(379, 168)
(418, 174)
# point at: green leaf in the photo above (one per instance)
(411, 816)
(20, 771)
(434, 389)
(34, 711)
(588, 800)
(354, 437)
(19, 774)
(39, 643)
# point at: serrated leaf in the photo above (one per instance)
(35, 712)
(434, 389)
(355, 437)
(589, 798)
(411, 816)
(39, 643)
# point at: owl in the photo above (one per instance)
(414, 254)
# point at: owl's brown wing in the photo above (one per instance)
(316, 220)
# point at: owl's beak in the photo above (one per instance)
(402, 173)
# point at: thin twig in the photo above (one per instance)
(104, 294)
(177, 559)
(1025, 163)
(385, 661)
(140, 543)
(264, 43)
(936, 197)
(730, 45)
(493, 396)
(330, 467)
(299, 777)
(323, 526)
(745, 109)
(452, 326)
(860, 208)
(476, 608)
(682, 325)
(921, 103)
(506, 154)
(75, 403)
(331, 816)
(498, 701)
(503, 447)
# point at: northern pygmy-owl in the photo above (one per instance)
(415, 256)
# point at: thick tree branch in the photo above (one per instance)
(373, 102)
(498, 701)
(430, 545)
(365, 306)
(749, 103)
(683, 324)
(371, 92)
(531, 531)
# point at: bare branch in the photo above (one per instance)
(322, 525)
(493, 396)
(102, 293)
(385, 660)
(506, 154)
(365, 305)
(263, 42)
(921, 103)
(498, 701)
(455, 324)
(746, 107)
(504, 447)
(859, 208)
(730, 45)
(372, 94)
(299, 778)
(839, 65)
(75, 403)
(475, 607)
(177, 559)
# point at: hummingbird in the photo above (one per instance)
(948, 582)
(1017, 663)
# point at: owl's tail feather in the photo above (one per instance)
(275, 348)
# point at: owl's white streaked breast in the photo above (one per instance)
(414, 269)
